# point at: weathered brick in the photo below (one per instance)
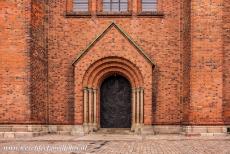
(189, 45)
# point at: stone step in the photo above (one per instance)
(114, 131)
(20, 134)
(22, 128)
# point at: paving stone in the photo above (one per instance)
(123, 144)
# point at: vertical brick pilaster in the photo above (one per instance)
(206, 62)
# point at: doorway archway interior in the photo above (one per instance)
(115, 102)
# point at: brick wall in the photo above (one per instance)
(206, 62)
(15, 61)
(39, 63)
(159, 37)
(115, 51)
(180, 94)
(186, 56)
(226, 48)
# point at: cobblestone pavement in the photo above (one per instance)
(119, 144)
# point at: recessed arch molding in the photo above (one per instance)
(96, 74)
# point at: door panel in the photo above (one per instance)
(115, 99)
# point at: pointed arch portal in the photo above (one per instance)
(113, 85)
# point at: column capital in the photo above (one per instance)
(90, 90)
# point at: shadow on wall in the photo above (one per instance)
(70, 101)
(154, 93)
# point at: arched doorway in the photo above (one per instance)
(115, 102)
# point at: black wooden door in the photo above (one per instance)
(115, 111)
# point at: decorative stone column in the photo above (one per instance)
(90, 91)
(95, 109)
(141, 106)
(85, 103)
(133, 109)
(90, 110)
(138, 106)
(138, 109)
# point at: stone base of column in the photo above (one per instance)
(147, 130)
(95, 127)
(133, 127)
(91, 127)
(137, 128)
(77, 130)
(142, 129)
(86, 128)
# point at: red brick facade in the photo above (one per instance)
(179, 55)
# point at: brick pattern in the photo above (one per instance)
(206, 63)
(122, 57)
(226, 70)
(37, 75)
(186, 56)
(159, 37)
(39, 67)
(118, 143)
(15, 61)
